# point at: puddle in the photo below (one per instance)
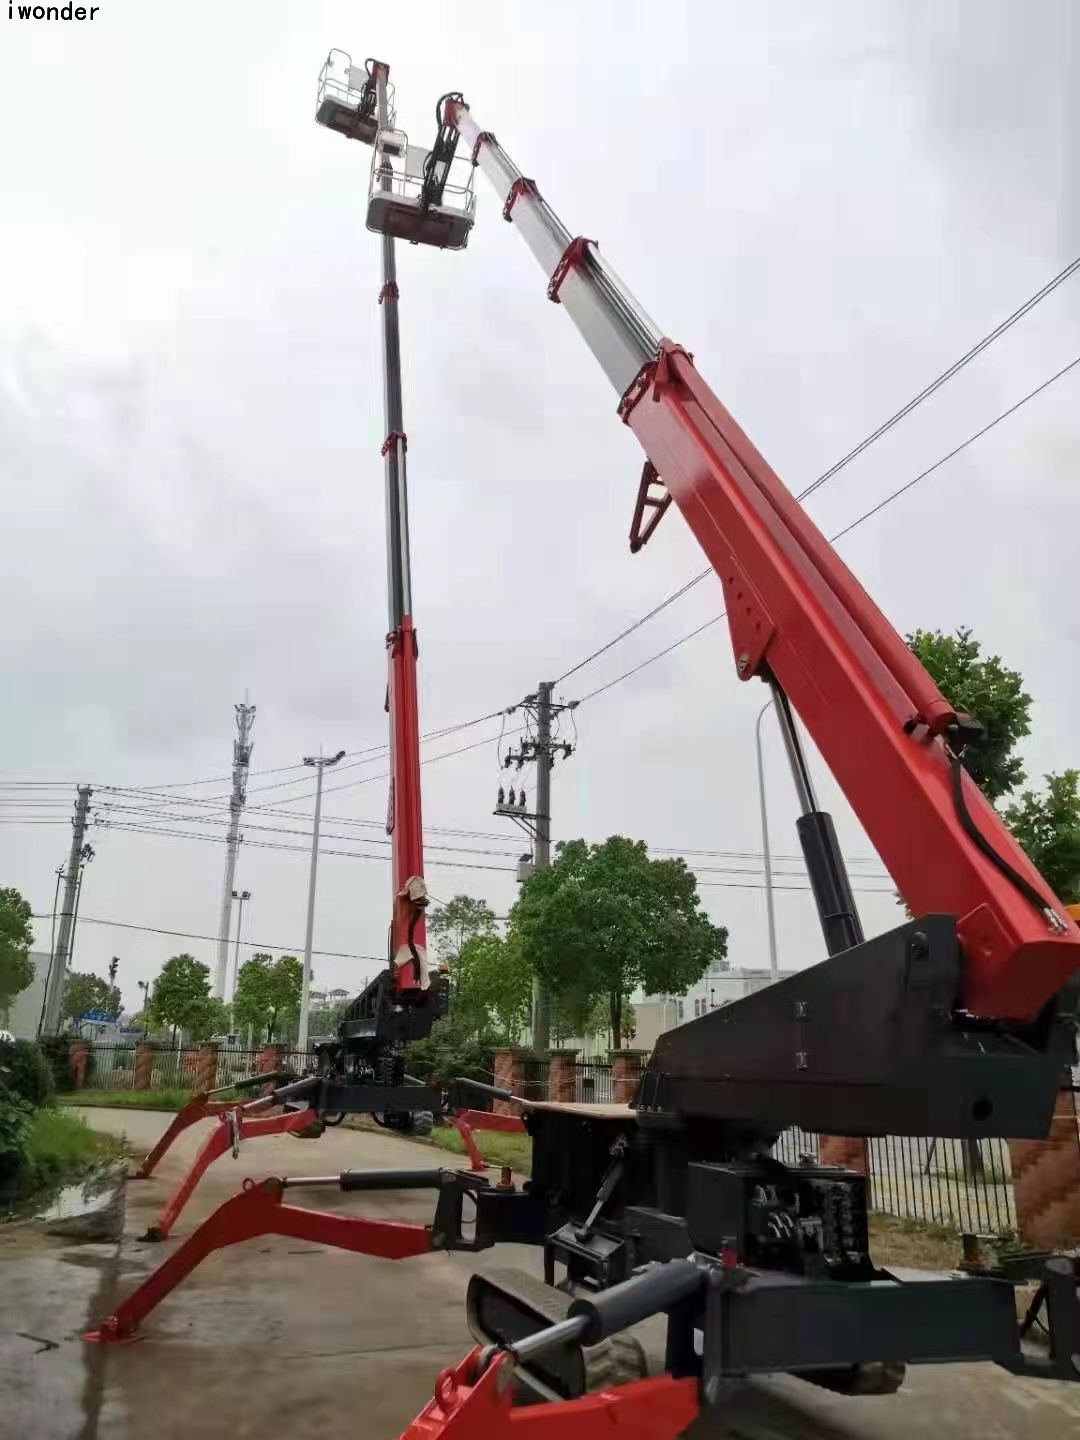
(92, 1209)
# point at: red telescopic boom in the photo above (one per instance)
(799, 617)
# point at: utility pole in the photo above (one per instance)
(242, 748)
(240, 895)
(80, 853)
(320, 763)
(539, 749)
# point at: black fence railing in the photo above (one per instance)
(535, 1086)
(593, 1083)
(966, 1184)
(963, 1184)
(112, 1067)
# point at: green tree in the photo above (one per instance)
(456, 922)
(180, 993)
(492, 992)
(605, 919)
(1047, 825)
(984, 687)
(209, 1017)
(268, 993)
(16, 937)
(85, 992)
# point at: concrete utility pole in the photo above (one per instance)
(58, 970)
(540, 750)
(320, 763)
(240, 895)
(242, 748)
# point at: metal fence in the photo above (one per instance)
(112, 1067)
(964, 1184)
(535, 1086)
(593, 1084)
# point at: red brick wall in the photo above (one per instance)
(1046, 1180)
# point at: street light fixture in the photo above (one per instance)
(320, 763)
(240, 895)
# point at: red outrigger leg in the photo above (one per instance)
(232, 1127)
(467, 1408)
(466, 1121)
(199, 1107)
(258, 1210)
(196, 1109)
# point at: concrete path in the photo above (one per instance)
(276, 1337)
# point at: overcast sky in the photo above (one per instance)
(826, 203)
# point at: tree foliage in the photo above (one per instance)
(84, 992)
(16, 937)
(605, 919)
(180, 993)
(984, 687)
(268, 993)
(1047, 825)
(449, 1053)
(208, 1017)
(492, 993)
(458, 921)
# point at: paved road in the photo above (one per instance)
(296, 1340)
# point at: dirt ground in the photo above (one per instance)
(288, 1338)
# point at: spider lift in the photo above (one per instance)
(418, 195)
(957, 1023)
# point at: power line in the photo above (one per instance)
(874, 510)
(245, 944)
(946, 375)
(963, 446)
(863, 445)
(670, 600)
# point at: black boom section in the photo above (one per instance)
(868, 1042)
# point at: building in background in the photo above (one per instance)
(24, 1012)
(657, 1013)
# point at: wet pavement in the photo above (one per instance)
(286, 1337)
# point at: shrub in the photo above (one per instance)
(16, 1125)
(57, 1051)
(25, 1070)
(446, 1054)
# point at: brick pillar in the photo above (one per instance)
(269, 1059)
(79, 1058)
(206, 1066)
(1046, 1180)
(510, 1075)
(845, 1151)
(143, 1077)
(626, 1068)
(562, 1076)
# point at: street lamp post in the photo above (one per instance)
(773, 963)
(144, 986)
(320, 763)
(240, 895)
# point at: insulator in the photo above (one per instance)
(502, 796)
(521, 801)
(512, 800)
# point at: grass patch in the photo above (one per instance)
(913, 1243)
(129, 1099)
(60, 1148)
(497, 1147)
